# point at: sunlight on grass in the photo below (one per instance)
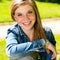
(5, 12)
(48, 10)
(57, 37)
(3, 55)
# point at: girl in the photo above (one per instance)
(28, 39)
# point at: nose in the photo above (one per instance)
(26, 17)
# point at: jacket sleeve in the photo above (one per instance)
(50, 35)
(14, 49)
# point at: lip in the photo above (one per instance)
(27, 23)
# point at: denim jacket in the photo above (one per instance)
(18, 45)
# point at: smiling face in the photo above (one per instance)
(25, 16)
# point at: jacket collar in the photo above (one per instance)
(20, 31)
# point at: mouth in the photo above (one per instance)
(27, 23)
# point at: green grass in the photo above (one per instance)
(3, 55)
(5, 12)
(46, 10)
(57, 37)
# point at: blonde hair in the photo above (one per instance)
(38, 31)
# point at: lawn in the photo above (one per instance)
(3, 55)
(46, 10)
(57, 37)
(5, 12)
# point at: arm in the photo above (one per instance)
(50, 43)
(14, 49)
(49, 48)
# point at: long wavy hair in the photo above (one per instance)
(38, 29)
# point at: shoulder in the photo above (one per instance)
(14, 29)
(49, 34)
(47, 29)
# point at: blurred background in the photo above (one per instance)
(49, 11)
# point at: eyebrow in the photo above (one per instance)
(28, 10)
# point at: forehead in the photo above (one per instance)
(25, 7)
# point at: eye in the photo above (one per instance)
(30, 12)
(19, 14)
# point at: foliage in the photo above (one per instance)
(53, 1)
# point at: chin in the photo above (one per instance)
(28, 28)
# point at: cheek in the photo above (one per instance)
(33, 18)
(19, 20)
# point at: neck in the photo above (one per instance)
(30, 34)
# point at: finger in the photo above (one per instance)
(53, 56)
(48, 51)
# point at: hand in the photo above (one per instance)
(50, 47)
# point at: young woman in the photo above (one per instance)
(28, 39)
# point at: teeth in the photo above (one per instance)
(26, 23)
